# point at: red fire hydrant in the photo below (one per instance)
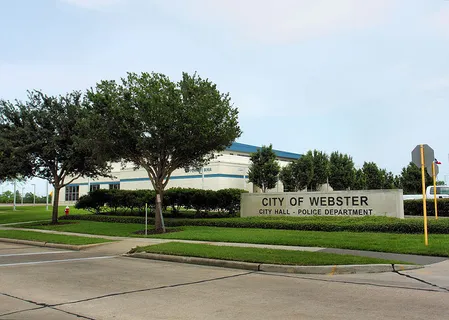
(67, 209)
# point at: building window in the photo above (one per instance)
(72, 193)
(114, 186)
(94, 187)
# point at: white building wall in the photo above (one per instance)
(228, 170)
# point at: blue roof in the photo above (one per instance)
(241, 147)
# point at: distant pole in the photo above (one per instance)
(434, 190)
(146, 219)
(15, 196)
(423, 181)
(46, 200)
(22, 194)
(34, 194)
(88, 184)
(202, 177)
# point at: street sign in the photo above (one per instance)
(429, 156)
(429, 170)
(423, 156)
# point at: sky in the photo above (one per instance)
(368, 78)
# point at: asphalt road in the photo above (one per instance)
(44, 283)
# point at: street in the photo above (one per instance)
(46, 283)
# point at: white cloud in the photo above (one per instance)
(92, 4)
(284, 21)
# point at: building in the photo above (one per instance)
(228, 170)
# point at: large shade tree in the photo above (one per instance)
(161, 125)
(47, 137)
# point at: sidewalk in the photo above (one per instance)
(124, 244)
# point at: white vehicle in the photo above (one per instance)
(442, 192)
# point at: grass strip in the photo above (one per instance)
(258, 255)
(25, 213)
(371, 241)
(51, 238)
(89, 227)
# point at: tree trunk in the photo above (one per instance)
(54, 216)
(158, 219)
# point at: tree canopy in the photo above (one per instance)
(341, 171)
(161, 125)
(264, 169)
(47, 138)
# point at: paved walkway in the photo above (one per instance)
(124, 244)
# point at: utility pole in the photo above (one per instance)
(34, 193)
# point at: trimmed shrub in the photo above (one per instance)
(331, 224)
(229, 200)
(132, 202)
(415, 207)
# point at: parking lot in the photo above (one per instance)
(45, 283)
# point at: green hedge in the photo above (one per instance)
(415, 207)
(363, 224)
(132, 202)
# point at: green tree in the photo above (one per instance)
(303, 171)
(49, 135)
(161, 125)
(359, 180)
(388, 179)
(397, 182)
(320, 169)
(373, 176)
(341, 171)
(411, 179)
(264, 169)
(286, 176)
(7, 197)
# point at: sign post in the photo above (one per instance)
(146, 219)
(434, 174)
(421, 155)
(424, 200)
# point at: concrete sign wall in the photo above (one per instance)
(330, 204)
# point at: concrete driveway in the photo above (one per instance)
(44, 283)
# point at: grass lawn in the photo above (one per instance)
(51, 238)
(31, 213)
(383, 242)
(258, 255)
(90, 227)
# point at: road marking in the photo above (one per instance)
(51, 261)
(32, 253)
(333, 270)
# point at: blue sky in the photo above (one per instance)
(369, 78)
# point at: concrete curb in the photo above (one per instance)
(52, 245)
(195, 260)
(329, 270)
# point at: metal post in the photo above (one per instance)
(88, 184)
(22, 194)
(15, 196)
(435, 190)
(46, 200)
(146, 219)
(34, 194)
(424, 199)
(202, 177)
